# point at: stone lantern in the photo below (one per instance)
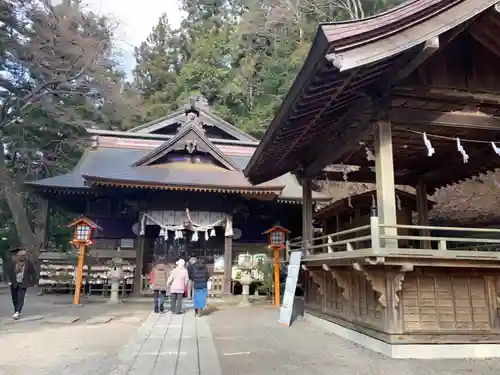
(246, 265)
(116, 277)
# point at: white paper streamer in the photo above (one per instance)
(430, 149)
(194, 237)
(495, 148)
(229, 227)
(398, 202)
(369, 154)
(462, 151)
(142, 232)
(206, 236)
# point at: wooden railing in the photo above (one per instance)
(380, 238)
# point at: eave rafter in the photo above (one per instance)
(415, 118)
(335, 95)
(349, 140)
(389, 38)
(274, 191)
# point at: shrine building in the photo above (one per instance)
(409, 97)
(174, 188)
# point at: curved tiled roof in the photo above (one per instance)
(357, 56)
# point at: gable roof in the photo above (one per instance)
(205, 116)
(351, 68)
(179, 142)
(111, 166)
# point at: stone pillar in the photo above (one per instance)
(386, 194)
(139, 260)
(423, 213)
(307, 213)
(228, 263)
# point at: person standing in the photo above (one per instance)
(199, 275)
(177, 282)
(20, 276)
(158, 282)
(191, 262)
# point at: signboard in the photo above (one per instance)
(219, 264)
(291, 284)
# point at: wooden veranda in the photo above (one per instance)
(409, 97)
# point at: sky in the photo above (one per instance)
(135, 18)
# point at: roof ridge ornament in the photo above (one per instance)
(197, 102)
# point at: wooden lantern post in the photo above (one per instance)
(277, 239)
(82, 237)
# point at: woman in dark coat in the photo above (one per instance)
(20, 276)
(198, 274)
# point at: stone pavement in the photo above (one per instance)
(170, 344)
(250, 341)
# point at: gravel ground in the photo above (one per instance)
(41, 348)
(74, 349)
(251, 342)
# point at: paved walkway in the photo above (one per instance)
(170, 344)
(252, 342)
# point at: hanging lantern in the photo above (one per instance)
(277, 236)
(212, 232)
(83, 230)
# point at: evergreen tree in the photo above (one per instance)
(242, 56)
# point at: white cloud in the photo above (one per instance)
(136, 18)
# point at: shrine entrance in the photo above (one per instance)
(173, 235)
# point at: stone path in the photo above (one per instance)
(170, 344)
(252, 342)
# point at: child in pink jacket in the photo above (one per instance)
(177, 282)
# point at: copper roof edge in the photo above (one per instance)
(105, 180)
(163, 137)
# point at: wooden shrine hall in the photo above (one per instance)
(407, 97)
(168, 189)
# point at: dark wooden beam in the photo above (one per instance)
(417, 117)
(344, 141)
(364, 175)
(450, 171)
(350, 140)
(336, 94)
(445, 94)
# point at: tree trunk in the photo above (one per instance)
(15, 203)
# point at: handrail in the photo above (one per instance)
(430, 227)
(381, 242)
(337, 234)
(449, 239)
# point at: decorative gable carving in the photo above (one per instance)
(191, 140)
(196, 112)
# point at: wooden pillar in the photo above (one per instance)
(139, 260)
(307, 213)
(228, 264)
(42, 221)
(386, 194)
(423, 213)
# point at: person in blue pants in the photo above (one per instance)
(198, 274)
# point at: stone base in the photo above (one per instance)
(114, 302)
(415, 351)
